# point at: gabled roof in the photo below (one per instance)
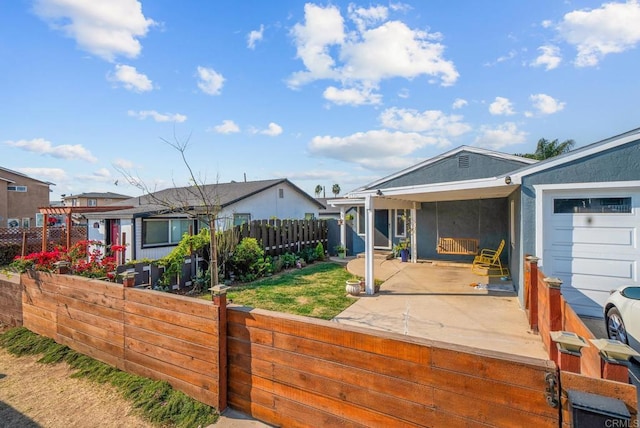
(104, 195)
(450, 153)
(221, 194)
(591, 149)
(23, 175)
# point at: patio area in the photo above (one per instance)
(437, 302)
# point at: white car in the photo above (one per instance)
(622, 315)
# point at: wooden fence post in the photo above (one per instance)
(554, 311)
(531, 271)
(220, 301)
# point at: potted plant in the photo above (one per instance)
(402, 249)
(353, 286)
(341, 251)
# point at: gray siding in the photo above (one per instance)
(448, 169)
(483, 219)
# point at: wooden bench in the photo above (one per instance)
(463, 246)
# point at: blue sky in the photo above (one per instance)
(320, 93)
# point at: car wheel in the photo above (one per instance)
(615, 326)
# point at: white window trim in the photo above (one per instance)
(396, 213)
(19, 189)
(168, 243)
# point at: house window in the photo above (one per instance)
(241, 218)
(21, 189)
(360, 220)
(164, 232)
(74, 202)
(280, 193)
(13, 222)
(401, 223)
(92, 202)
(26, 222)
(309, 216)
(592, 206)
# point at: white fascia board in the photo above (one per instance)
(595, 148)
(345, 201)
(480, 183)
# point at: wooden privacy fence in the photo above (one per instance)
(29, 240)
(158, 335)
(281, 236)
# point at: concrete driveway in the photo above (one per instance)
(438, 302)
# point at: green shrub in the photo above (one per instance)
(249, 261)
(319, 251)
(288, 260)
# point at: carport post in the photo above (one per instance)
(368, 245)
(343, 228)
(414, 239)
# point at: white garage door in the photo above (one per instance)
(591, 243)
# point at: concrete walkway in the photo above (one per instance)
(438, 302)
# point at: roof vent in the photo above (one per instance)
(463, 161)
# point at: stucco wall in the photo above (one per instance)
(480, 166)
(483, 219)
(24, 204)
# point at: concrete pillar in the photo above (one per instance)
(414, 234)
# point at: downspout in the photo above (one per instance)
(368, 244)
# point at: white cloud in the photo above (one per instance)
(372, 149)
(158, 117)
(323, 28)
(351, 96)
(501, 136)
(254, 37)
(403, 93)
(549, 57)
(273, 130)
(432, 122)
(210, 81)
(501, 106)
(227, 127)
(44, 147)
(365, 18)
(104, 28)
(373, 51)
(459, 103)
(55, 175)
(123, 163)
(612, 28)
(101, 175)
(129, 77)
(546, 23)
(545, 104)
(400, 7)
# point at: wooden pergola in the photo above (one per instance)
(68, 212)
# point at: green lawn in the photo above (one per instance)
(317, 291)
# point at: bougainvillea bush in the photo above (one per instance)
(92, 259)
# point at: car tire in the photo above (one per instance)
(615, 326)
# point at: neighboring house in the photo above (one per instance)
(579, 212)
(92, 199)
(20, 198)
(151, 228)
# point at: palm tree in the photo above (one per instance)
(335, 189)
(547, 149)
(318, 190)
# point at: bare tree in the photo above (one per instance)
(199, 200)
